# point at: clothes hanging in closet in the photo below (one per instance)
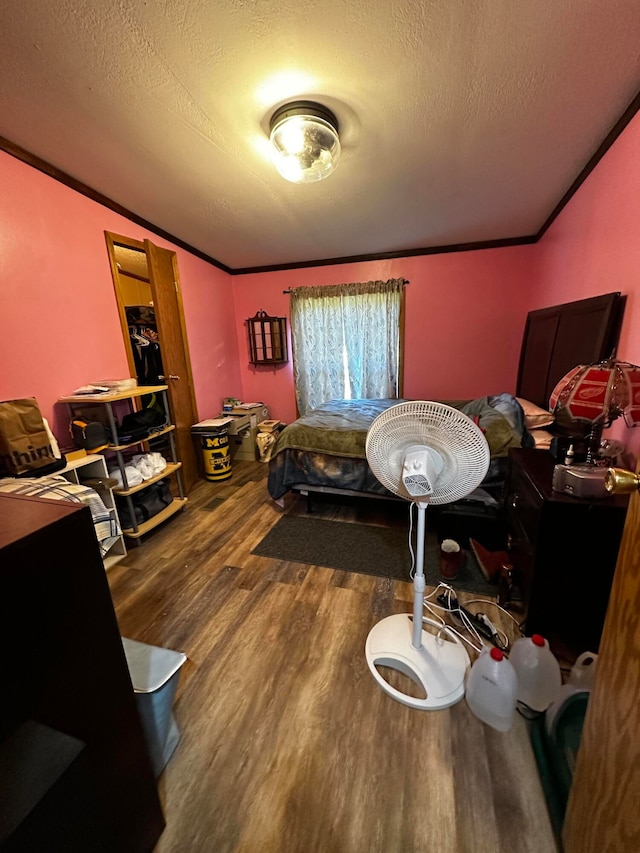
(143, 334)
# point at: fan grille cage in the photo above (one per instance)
(452, 434)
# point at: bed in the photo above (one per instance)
(324, 450)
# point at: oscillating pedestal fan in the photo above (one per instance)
(424, 452)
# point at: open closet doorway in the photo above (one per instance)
(147, 287)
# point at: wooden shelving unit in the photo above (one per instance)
(170, 469)
(93, 468)
(132, 397)
(157, 519)
(156, 434)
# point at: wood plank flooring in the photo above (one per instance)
(288, 745)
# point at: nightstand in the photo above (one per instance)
(564, 552)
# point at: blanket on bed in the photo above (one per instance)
(339, 427)
(59, 488)
(325, 449)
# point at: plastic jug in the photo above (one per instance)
(583, 671)
(580, 681)
(539, 678)
(492, 687)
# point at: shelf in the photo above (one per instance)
(138, 391)
(128, 497)
(110, 560)
(171, 467)
(175, 506)
(152, 437)
(86, 471)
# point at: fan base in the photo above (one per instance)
(438, 667)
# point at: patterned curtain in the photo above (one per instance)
(346, 341)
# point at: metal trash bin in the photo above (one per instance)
(214, 443)
(154, 674)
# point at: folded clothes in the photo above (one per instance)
(149, 464)
(134, 477)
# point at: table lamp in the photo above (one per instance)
(592, 396)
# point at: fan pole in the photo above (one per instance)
(418, 579)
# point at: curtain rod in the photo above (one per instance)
(406, 281)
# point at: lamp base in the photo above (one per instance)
(593, 444)
(438, 668)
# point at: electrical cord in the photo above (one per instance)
(478, 625)
(490, 631)
(481, 623)
(499, 606)
(412, 571)
(503, 637)
(430, 605)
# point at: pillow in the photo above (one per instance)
(534, 416)
(541, 438)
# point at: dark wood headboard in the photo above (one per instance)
(558, 338)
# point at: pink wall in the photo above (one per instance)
(465, 311)
(593, 247)
(465, 315)
(59, 325)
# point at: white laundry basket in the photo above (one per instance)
(154, 674)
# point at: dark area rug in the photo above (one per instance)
(365, 548)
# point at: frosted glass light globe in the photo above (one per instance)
(305, 142)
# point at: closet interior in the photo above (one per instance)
(145, 346)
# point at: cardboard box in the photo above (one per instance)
(243, 446)
(257, 414)
(74, 454)
(238, 423)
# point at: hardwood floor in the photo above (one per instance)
(288, 744)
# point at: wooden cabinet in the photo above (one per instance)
(130, 398)
(75, 773)
(564, 552)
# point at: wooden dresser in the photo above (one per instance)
(75, 774)
(564, 553)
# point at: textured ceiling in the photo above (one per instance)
(461, 120)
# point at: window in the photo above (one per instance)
(346, 342)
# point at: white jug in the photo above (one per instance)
(491, 690)
(580, 681)
(539, 677)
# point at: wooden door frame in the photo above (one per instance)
(602, 808)
(183, 327)
(113, 240)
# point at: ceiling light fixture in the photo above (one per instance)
(305, 141)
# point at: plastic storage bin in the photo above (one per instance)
(154, 674)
